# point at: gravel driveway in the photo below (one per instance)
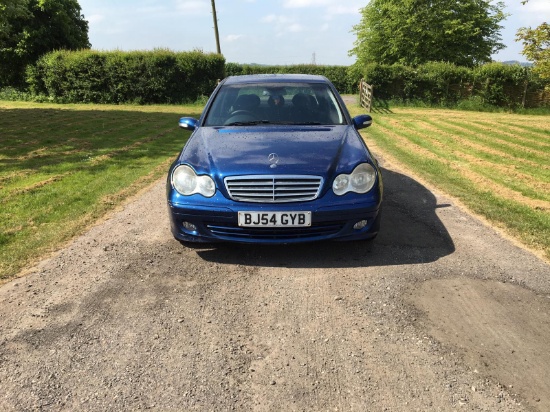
(440, 314)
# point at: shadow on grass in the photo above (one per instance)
(411, 233)
(58, 167)
(54, 139)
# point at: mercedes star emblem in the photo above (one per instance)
(273, 159)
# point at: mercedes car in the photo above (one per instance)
(274, 159)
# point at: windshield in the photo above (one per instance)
(276, 103)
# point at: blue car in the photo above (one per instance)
(274, 159)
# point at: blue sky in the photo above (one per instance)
(259, 31)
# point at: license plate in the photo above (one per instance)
(274, 219)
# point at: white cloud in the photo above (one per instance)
(283, 24)
(542, 6)
(536, 11)
(297, 4)
(233, 37)
(332, 6)
(151, 10)
(193, 6)
(95, 18)
(295, 28)
(280, 20)
(339, 9)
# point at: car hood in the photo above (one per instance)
(307, 150)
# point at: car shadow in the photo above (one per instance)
(411, 233)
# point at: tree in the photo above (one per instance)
(414, 32)
(536, 47)
(31, 28)
(10, 10)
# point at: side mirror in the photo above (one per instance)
(362, 121)
(188, 123)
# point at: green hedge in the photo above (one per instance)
(445, 84)
(141, 77)
(345, 79)
(163, 76)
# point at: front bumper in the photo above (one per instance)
(198, 222)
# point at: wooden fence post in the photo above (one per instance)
(365, 95)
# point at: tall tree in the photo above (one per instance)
(412, 32)
(536, 46)
(31, 28)
(9, 11)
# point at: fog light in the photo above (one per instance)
(189, 226)
(360, 225)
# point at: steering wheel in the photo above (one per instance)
(242, 112)
(241, 116)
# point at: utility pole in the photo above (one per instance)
(216, 27)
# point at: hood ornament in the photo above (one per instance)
(273, 159)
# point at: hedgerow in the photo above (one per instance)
(344, 78)
(142, 77)
(163, 76)
(437, 83)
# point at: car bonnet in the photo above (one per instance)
(234, 151)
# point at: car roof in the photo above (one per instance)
(275, 78)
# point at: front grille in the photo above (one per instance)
(273, 188)
(233, 232)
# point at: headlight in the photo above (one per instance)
(361, 180)
(187, 182)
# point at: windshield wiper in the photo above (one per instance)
(251, 123)
(297, 123)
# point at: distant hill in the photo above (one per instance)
(512, 62)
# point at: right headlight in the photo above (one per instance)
(361, 180)
(187, 182)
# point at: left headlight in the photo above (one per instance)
(187, 182)
(361, 180)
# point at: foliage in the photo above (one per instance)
(345, 79)
(536, 47)
(495, 84)
(44, 25)
(413, 32)
(11, 10)
(140, 77)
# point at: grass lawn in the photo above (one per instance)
(64, 166)
(497, 164)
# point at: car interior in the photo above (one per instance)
(257, 104)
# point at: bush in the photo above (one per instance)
(160, 76)
(345, 79)
(505, 85)
(444, 84)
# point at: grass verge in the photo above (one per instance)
(495, 163)
(62, 167)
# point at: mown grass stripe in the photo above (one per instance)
(532, 226)
(499, 139)
(492, 155)
(531, 174)
(518, 132)
(508, 177)
(451, 149)
(474, 169)
(542, 130)
(477, 175)
(492, 143)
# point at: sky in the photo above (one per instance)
(272, 32)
